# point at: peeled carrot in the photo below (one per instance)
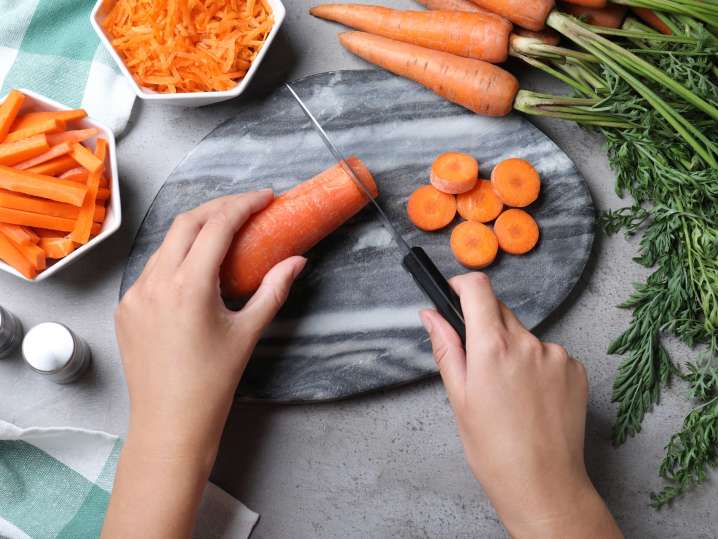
(516, 231)
(430, 209)
(609, 16)
(18, 234)
(477, 85)
(36, 220)
(454, 172)
(652, 20)
(49, 155)
(12, 153)
(85, 157)
(14, 201)
(34, 118)
(13, 257)
(480, 204)
(292, 224)
(547, 35)
(78, 135)
(57, 248)
(484, 36)
(34, 254)
(78, 174)
(516, 182)
(474, 244)
(588, 3)
(103, 194)
(530, 14)
(451, 5)
(41, 186)
(83, 225)
(47, 126)
(54, 166)
(9, 111)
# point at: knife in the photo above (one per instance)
(414, 259)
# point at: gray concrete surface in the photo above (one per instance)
(385, 465)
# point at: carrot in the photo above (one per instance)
(83, 225)
(588, 3)
(57, 248)
(41, 186)
(54, 166)
(451, 5)
(85, 157)
(78, 135)
(9, 111)
(19, 234)
(479, 86)
(516, 231)
(516, 182)
(430, 209)
(47, 233)
(36, 220)
(52, 153)
(79, 175)
(292, 224)
(33, 118)
(10, 254)
(653, 20)
(12, 153)
(454, 172)
(14, 201)
(34, 254)
(529, 14)
(480, 204)
(103, 193)
(474, 244)
(547, 35)
(484, 36)
(609, 16)
(41, 128)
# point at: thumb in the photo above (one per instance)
(271, 295)
(448, 353)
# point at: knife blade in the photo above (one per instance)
(414, 259)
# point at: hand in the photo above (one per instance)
(520, 406)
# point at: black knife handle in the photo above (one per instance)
(436, 288)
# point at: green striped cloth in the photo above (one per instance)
(48, 46)
(56, 483)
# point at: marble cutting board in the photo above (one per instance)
(351, 323)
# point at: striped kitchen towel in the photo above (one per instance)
(48, 46)
(56, 483)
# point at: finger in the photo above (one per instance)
(512, 323)
(212, 243)
(271, 295)
(448, 353)
(479, 303)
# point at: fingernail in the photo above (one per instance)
(298, 267)
(425, 320)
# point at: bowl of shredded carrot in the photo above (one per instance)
(188, 52)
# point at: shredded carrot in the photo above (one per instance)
(188, 46)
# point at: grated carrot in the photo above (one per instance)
(175, 46)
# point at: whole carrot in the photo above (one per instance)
(451, 5)
(653, 20)
(530, 14)
(610, 16)
(588, 3)
(479, 86)
(474, 35)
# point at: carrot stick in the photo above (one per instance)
(52, 153)
(54, 166)
(36, 220)
(547, 35)
(57, 248)
(33, 118)
(454, 172)
(12, 153)
(41, 186)
(516, 182)
(85, 157)
(18, 234)
(484, 36)
(13, 257)
(652, 20)
(78, 175)
(34, 254)
(78, 135)
(479, 86)
(103, 193)
(588, 3)
(9, 111)
(529, 14)
(452, 5)
(516, 231)
(480, 204)
(474, 244)
(430, 209)
(48, 126)
(14, 201)
(292, 224)
(83, 226)
(609, 16)
(46, 233)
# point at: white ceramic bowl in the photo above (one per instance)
(113, 219)
(187, 99)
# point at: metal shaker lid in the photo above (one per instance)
(48, 347)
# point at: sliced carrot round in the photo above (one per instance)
(474, 244)
(430, 209)
(516, 182)
(480, 204)
(454, 172)
(516, 231)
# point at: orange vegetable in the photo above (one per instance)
(292, 224)
(57, 248)
(83, 224)
(12, 153)
(19, 234)
(530, 14)
(41, 128)
(451, 5)
(54, 166)
(86, 158)
(588, 3)
(454, 172)
(475, 35)
(516, 231)
(480, 204)
(32, 119)
(52, 153)
(36, 220)
(14, 201)
(103, 194)
(547, 35)
(78, 175)
(516, 182)
(430, 209)
(477, 85)
(34, 254)
(41, 186)
(198, 46)
(652, 20)
(10, 254)
(9, 111)
(610, 15)
(474, 244)
(79, 135)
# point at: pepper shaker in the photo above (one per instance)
(10, 333)
(53, 350)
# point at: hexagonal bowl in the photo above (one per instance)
(187, 99)
(113, 220)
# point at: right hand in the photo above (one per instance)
(520, 405)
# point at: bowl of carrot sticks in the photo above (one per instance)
(188, 53)
(59, 189)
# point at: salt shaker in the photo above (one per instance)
(52, 350)
(10, 333)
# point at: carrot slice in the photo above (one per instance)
(18, 234)
(474, 244)
(54, 166)
(32, 119)
(83, 225)
(454, 172)
(85, 157)
(430, 209)
(47, 126)
(14, 201)
(57, 248)
(480, 204)
(9, 111)
(10, 254)
(52, 153)
(78, 135)
(516, 231)
(12, 153)
(516, 182)
(41, 186)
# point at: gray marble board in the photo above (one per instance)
(351, 323)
